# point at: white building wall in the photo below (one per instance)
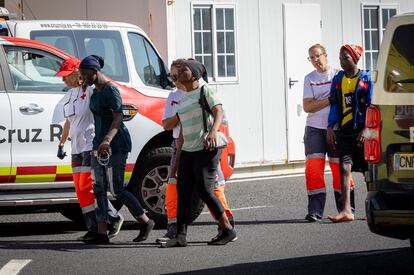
(272, 81)
(255, 106)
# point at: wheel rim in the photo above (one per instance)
(153, 189)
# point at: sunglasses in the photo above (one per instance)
(172, 77)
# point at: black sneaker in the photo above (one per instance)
(87, 236)
(233, 224)
(227, 235)
(144, 231)
(97, 238)
(179, 241)
(219, 231)
(313, 217)
(115, 227)
(171, 232)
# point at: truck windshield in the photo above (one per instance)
(81, 43)
(399, 72)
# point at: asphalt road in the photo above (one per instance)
(273, 238)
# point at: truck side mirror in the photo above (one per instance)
(166, 82)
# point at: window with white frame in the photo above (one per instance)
(214, 40)
(375, 19)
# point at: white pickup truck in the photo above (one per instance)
(31, 176)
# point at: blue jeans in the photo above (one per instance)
(112, 176)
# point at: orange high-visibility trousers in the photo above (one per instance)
(83, 187)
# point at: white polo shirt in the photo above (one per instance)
(317, 86)
(171, 108)
(76, 111)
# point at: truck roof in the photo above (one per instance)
(72, 24)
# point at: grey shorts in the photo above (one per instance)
(315, 142)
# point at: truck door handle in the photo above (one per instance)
(32, 109)
(292, 82)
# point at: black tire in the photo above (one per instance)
(150, 184)
(73, 212)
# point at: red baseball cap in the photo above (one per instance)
(68, 66)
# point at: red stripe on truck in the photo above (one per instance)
(36, 170)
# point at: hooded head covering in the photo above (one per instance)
(354, 50)
(68, 66)
(198, 69)
(92, 62)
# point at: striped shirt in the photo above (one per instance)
(191, 117)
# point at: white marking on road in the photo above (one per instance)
(13, 267)
(244, 208)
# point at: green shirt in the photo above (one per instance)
(191, 118)
(102, 104)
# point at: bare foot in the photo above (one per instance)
(342, 217)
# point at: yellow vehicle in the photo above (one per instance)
(389, 147)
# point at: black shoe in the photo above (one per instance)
(313, 217)
(115, 227)
(97, 238)
(87, 236)
(171, 232)
(227, 235)
(144, 231)
(179, 241)
(233, 224)
(219, 231)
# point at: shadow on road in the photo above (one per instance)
(49, 228)
(15, 229)
(290, 221)
(387, 261)
(69, 245)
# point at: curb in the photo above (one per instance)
(269, 170)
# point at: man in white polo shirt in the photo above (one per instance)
(316, 103)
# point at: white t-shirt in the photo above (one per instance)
(317, 86)
(76, 110)
(171, 108)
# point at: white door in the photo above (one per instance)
(302, 28)
(36, 109)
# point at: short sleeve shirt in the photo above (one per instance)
(348, 91)
(171, 108)
(103, 103)
(191, 117)
(76, 110)
(317, 86)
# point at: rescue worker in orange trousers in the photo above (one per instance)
(79, 126)
(171, 122)
(316, 103)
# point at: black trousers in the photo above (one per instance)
(197, 170)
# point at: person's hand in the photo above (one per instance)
(104, 148)
(60, 153)
(331, 138)
(332, 100)
(361, 138)
(210, 141)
